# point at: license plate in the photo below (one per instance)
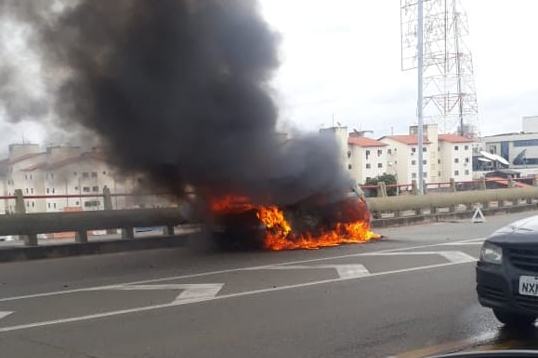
(528, 285)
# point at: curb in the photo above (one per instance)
(90, 248)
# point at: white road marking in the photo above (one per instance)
(4, 314)
(209, 273)
(352, 270)
(452, 256)
(191, 292)
(222, 297)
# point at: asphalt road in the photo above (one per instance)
(410, 294)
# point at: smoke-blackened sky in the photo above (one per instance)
(177, 90)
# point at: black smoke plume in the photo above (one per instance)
(178, 90)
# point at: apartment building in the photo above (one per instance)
(60, 170)
(367, 158)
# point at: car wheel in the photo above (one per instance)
(514, 319)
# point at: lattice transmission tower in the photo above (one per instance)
(449, 93)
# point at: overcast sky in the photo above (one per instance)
(342, 58)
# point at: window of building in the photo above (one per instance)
(438, 174)
(424, 162)
(33, 204)
(31, 177)
(26, 176)
(456, 173)
(413, 150)
(96, 188)
(86, 189)
(32, 190)
(104, 172)
(379, 152)
(456, 160)
(467, 172)
(48, 205)
(92, 203)
(467, 160)
(48, 191)
(53, 191)
(380, 165)
(368, 166)
(54, 205)
(348, 155)
(413, 162)
(75, 173)
(456, 147)
(414, 175)
(438, 161)
(77, 203)
(94, 174)
(425, 174)
(76, 188)
(424, 149)
(26, 190)
(85, 175)
(466, 147)
(389, 151)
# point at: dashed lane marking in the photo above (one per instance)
(209, 273)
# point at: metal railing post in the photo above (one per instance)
(19, 202)
(20, 208)
(81, 237)
(127, 233)
(107, 199)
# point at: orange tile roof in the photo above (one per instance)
(454, 138)
(364, 141)
(66, 161)
(409, 139)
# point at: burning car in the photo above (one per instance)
(320, 221)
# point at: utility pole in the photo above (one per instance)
(420, 115)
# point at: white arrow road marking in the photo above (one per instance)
(344, 271)
(191, 292)
(221, 297)
(452, 256)
(4, 314)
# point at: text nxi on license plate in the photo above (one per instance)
(528, 285)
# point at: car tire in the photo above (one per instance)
(514, 319)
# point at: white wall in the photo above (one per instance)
(462, 170)
(367, 162)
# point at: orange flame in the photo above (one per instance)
(280, 235)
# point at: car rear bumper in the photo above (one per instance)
(498, 289)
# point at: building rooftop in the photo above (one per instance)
(454, 138)
(409, 139)
(25, 157)
(364, 141)
(64, 162)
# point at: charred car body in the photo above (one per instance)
(322, 220)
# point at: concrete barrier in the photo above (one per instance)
(447, 200)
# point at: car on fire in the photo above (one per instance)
(507, 273)
(308, 224)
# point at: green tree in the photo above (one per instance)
(388, 179)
